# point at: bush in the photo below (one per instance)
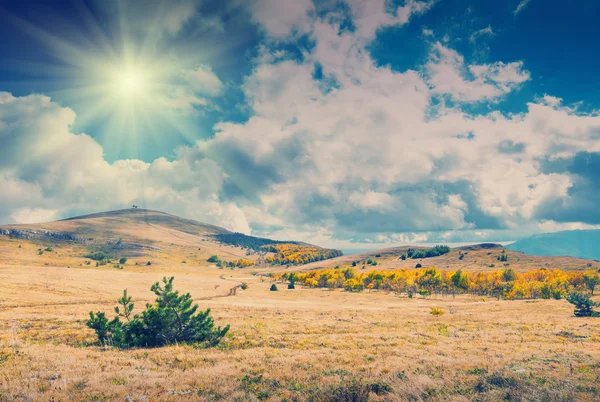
(244, 286)
(123, 260)
(274, 288)
(291, 285)
(49, 249)
(418, 266)
(98, 256)
(214, 259)
(509, 275)
(436, 311)
(172, 319)
(584, 306)
(427, 253)
(148, 263)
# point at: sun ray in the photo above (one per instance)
(126, 82)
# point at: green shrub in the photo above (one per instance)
(274, 288)
(123, 260)
(509, 274)
(214, 259)
(291, 285)
(427, 253)
(584, 306)
(148, 263)
(49, 249)
(244, 286)
(172, 319)
(98, 256)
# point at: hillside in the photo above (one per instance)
(145, 235)
(480, 257)
(575, 243)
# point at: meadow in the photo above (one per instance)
(303, 344)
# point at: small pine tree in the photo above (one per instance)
(172, 319)
(584, 306)
(274, 288)
(291, 285)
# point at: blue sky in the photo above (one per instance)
(346, 123)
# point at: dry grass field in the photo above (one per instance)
(295, 345)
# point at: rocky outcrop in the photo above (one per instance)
(30, 234)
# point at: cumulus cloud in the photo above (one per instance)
(371, 15)
(204, 81)
(281, 18)
(48, 171)
(448, 74)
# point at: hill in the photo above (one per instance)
(154, 236)
(479, 257)
(574, 243)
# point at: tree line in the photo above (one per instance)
(506, 283)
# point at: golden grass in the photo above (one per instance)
(303, 344)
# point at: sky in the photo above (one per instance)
(346, 123)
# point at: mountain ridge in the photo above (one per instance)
(584, 243)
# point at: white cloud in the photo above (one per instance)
(487, 31)
(47, 171)
(448, 74)
(37, 215)
(521, 6)
(372, 15)
(280, 18)
(204, 81)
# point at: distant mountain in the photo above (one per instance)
(574, 243)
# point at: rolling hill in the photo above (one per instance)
(574, 243)
(154, 236)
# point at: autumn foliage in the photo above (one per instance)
(297, 254)
(507, 283)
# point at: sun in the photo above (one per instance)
(130, 83)
(127, 86)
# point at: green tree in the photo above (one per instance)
(274, 288)
(171, 319)
(214, 258)
(459, 282)
(584, 306)
(509, 275)
(123, 260)
(591, 280)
